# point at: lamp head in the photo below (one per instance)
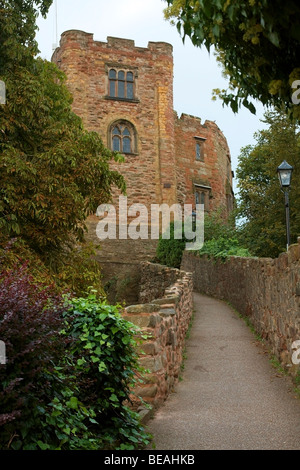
(285, 175)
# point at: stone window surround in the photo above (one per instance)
(203, 191)
(133, 133)
(200, 142)
(118, 67)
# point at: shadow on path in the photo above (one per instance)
(231, 398)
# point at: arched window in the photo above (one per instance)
(121, 84)
(123, 137)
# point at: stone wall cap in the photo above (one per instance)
(142, 308)
(167, 311)
(172, 299)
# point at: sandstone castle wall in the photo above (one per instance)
(171, 159)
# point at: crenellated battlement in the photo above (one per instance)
(77, 39)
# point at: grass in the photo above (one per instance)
(272, 358)
(248, 322)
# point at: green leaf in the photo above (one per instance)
(73, 403)
(43, 445)
(80, 362)
(95, 359)
(274, 38)
(113, 397)
(216, 30)
(102, 367)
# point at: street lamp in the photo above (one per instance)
(285, 177)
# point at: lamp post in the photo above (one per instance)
(285, 177)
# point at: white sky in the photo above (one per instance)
(196, 73)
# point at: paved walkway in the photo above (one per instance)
(231, 397)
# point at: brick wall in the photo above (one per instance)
(165, 320)
(263, 289)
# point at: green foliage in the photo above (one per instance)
(76, 270)
(261, 206)
(62, 170)
(217, 225)
(221, 248)
(15, 253)
(18, 29)
(169, 250)
(70, 371)
(104, 352)
(257, 42)
(65, 423)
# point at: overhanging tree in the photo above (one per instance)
(261, 202)
(257, 42)
(18, 45)
(53, 172)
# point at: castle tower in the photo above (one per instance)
(125, 93)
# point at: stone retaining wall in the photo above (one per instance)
(165, 320)
(265, 290)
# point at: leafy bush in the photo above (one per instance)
(217, 225)
(76, 270)
(71, 362)
(223, 247)
(169, 251)
(15, 253)
(106, 363)
(30, 322)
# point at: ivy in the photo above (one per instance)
(104, 354)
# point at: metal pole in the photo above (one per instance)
(287, 215)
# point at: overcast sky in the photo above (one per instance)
(196, 73)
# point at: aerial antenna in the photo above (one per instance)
(54, 46)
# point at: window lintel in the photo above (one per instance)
(202, 186)
(115, 98)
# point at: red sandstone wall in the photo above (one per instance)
(150, 174)
(265, 290)
(164, 168)
(213, 171)
(165, 320)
